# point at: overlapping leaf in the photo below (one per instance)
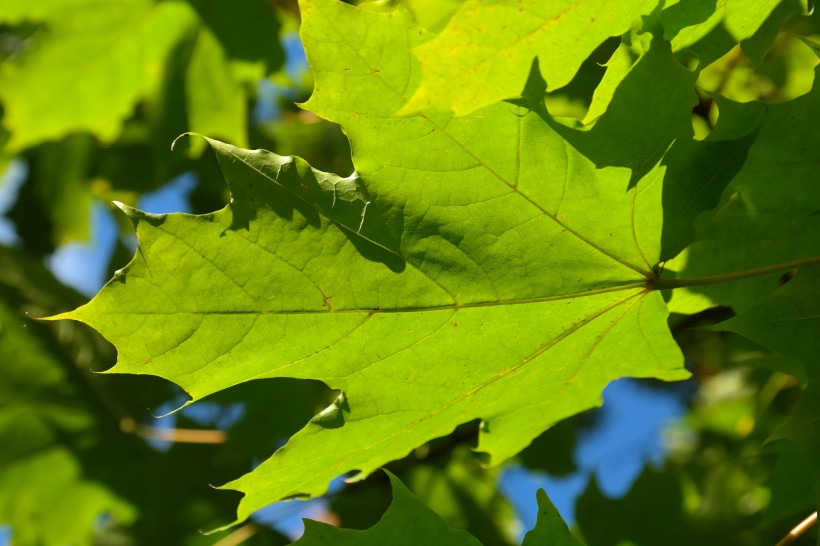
(710, 29)
(482, 56)
(701, 31)
(769, 212)
(787, 320)
(447, 477)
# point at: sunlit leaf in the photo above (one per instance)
(483, 55)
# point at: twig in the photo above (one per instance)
(176, 435)
(239, 535)
(798, 530)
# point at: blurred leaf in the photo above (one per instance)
(552, 451)
(550, 529)
(319, 142)
(46, 501)
(405, 513)
(44, 494)
(215, 100)
(106, 59)
(102, 57)
(67, 467)
(60, 173)
(465, 494)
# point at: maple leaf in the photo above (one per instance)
(482, 55)
(473, 268)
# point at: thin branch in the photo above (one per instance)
(798, 530)
(176, 435)
(663, 284)
(239, 535)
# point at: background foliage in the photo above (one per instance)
(715, 98)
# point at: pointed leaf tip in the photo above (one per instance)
(122, 206)
(136, 215)
(174, 143)
(69, 315)
(191, 133)
(549, 528)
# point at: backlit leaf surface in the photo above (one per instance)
(482, 56)
(473, 268)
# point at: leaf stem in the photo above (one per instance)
(663, 284)
(798, 530)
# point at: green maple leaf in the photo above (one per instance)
(211, 301)
(787, 320)
(697, 30)
(468, 270)
(483, 54)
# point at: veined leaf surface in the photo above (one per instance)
(478, 267)
(483, 54)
